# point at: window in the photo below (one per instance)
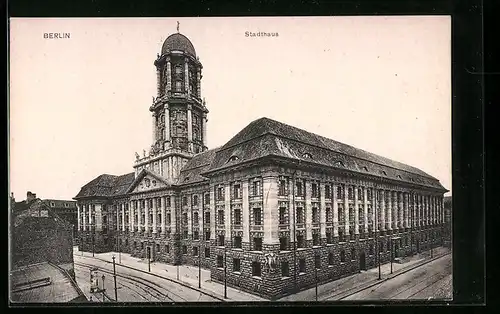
(236, 265)
(207, 199)
(184, 201)
(178, 86)
(381, 247)
(300, 215)
(317, 261)
(360, 193)
(207, 252)
(302, 265)
(353, 254)
(256, 271)
(195, 200)
(315, 215)
(299, 191)
(142, 245)
(185, 234)
(221, 240)
(388, 245)
(314, 188)
(207, 217)
(282, 215)
(237, 216)
(207, 235)
(329, 239)
(300, 241)
(196, 235)
(237, 242)
(195, 251)
(328, 191)
(220, 261)
(196, 219)
(157, 248)
(285, 269)
(330, 258)
(306, 156)
(220, 193)
(340, 192)
(236, 191)
(370, 252)
(232, 158)
(257, 216)
(167, 248)
(328, 214)
(316, 241)
(283, 243)
(220, 213)
(184, 249)
(169, 218)
(184, 218)
(342, 256)
(283, 190)
(350, 193)
(257, 244)
(256, 188)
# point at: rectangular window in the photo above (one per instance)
(285, 269)
(342, 256)
(328, 191)
(283, 243)
(195, 251)
(169, 203)
(299, 191)
(220, 261)
(350, 193)
(184, 249)
(257, 244)
(317, 261)
(340, 192)
(282, 216)
(237, 242)
(256, 271)
(237, 191)
(220, 193)
(237, 216)
(341, 235)
(169, 218)
(185, 234)
(314, 190)
(329, 239)
(360, 194)
(300, 215)
(207, 235)
(328, 214)
(353, 254)
(315, 215)
(221, 240)
(195, 200)
(316, 240)
(300, 241)
(220, 213)
(207, 252)
(282, 190)
(207, 199)
(257, 216)
(207, 217)
(184, 201)
(330, 258)
(302, 265)
(157, 248)
(256, 188)
(236, 265)
(196, 235)
(184, 218)
(167, 248)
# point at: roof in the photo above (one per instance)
(43, 283)
(180, 42)
(191, 172)
(106, 185)
(39, 213)
(266, 137)
(60, 203)
(140, 176)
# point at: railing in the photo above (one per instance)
(238, 227)
(283, 227)
(315, 224)
(256, 227)
(300, 225)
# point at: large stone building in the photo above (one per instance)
(271, 205)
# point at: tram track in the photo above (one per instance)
(139, 283)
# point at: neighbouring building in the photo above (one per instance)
(66, 210)
(447, 220)
(272, 204)
(41, 254)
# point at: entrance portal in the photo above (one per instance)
(362, 261)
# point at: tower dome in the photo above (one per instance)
(180, 42)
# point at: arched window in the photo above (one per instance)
(342, 256)
(306, 156)
(233, 158)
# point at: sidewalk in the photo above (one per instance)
(341, 288)
(183, 274)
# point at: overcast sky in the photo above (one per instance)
(79, 106)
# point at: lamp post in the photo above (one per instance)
(316, 274)
(103, 288)
(149, 257)
(225, 271)
(377, 245)
(392, 252)
(202, 241)
(114, 277)
(294, 232)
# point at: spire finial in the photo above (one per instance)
(177, 26)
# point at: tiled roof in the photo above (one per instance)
(106, 185)
(267, 137)
(43, 283)
(191, 172)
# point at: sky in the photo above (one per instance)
(78, 107)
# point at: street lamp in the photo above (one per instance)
(225, 271)
(392, 252)
(103, 289)
(114, 276)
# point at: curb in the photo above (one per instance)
(166, 278)
(390, 276)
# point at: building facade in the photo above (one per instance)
(271, 210)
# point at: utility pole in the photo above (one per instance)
(392, 252)
(149, 258)
(103, 288)
(114, 276)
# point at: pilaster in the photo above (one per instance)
(270, 207)
(245, 211)
(155, 204)
(356, 210)
(322, 210)
(308, 210)
(335, 211)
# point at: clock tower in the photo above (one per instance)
(178, 112)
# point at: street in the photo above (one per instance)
(430, 281)
(132, 285)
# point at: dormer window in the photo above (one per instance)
(52, 204)
(384, 173)
(186, 179)
(365, 168)
(339, 164)
(233, 158)
(306, 156)
(399, 177)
